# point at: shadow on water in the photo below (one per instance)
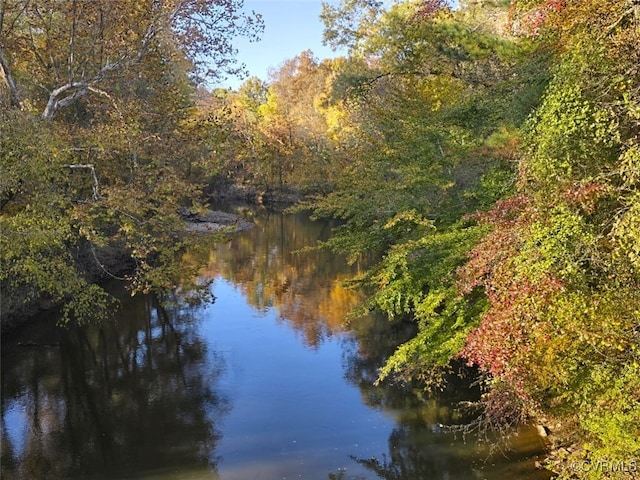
(110, 401)
(416, 454)
(430, 439)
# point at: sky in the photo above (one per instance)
(290, 27)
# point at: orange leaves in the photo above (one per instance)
(508, 220)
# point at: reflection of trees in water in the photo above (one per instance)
(131, 396)
(418, 451)
(416, 456)
(306, 288)
(421, 446)
(374, 339)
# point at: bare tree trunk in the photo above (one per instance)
(5, 74)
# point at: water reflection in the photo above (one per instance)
(308, 293)
(307, 289)
(421, 446)
(416, 454)
(103, 402)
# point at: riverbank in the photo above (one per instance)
(213, 221)
(104, 263)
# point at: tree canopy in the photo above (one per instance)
(97, 97)
(68, 51)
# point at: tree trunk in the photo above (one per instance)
(55, 103)
(8, 80)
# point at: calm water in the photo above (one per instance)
(268, 382)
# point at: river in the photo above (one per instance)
(269, 381)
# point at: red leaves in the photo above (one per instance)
(427, 9)
(503, 211)
(508, 217)
(516, 296)
(535, 20)
(585, 195)
(502, 340)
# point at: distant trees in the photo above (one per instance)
(279, 135)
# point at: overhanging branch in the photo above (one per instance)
(90, 167)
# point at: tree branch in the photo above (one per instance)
(624, 15)
(54, 104)
(155, 27)
(88, 166)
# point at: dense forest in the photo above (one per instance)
(486, 156)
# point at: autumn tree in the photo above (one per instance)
(559, 268)
(294, 121)
(281, 129)
(92, 148)
(72, 50)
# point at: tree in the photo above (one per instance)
(94, 163)
(72, 51)
(293, 121)
(433, 104)
(347, 24)
(279, 130)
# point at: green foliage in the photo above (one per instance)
(37, 231)
(542, 292)
(347, 23)
(58, 238)
(573, 136)
(561, 242)
(614, 420)
(432, 112)
(95, 143)
(415, 279)
(560, 272)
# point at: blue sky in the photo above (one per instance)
(291, 26)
